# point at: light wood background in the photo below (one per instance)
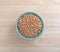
(11, 9)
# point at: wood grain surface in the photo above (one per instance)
(48, 9)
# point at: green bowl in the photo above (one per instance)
(39, 34)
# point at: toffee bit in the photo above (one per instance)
(30, 25)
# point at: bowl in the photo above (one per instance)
(39, 34)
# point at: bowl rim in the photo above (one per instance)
(40, 18)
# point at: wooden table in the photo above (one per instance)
(11, 9)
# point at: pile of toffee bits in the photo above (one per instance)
(30, 25)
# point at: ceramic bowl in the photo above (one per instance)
(19, 33)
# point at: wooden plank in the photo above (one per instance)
(11, 9)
